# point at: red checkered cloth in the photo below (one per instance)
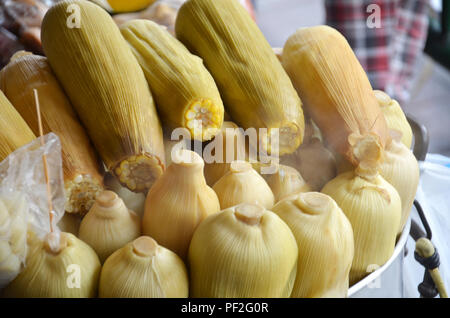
(388, 52)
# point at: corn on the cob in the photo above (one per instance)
(242, 184)
(109, 225)
(14, 131)
(178, 202)
(47, 273)
(243, 251)
(144, 269)
(325, 239)
(334, 88)
(81, 165)
(108, 90)
(255, 89)
(184, 91)
(395, 117)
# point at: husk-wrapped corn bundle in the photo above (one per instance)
(109, 225)
(334, 88)
(401, 170)
(81, 165)
(185, 93)
(395, 117)
(373, 207)
(47, 273)
(242, 184)
(244, 251)
(108, 90)
(255, 89)
(14, 131)
(325, 239)
(178, 201)
(144, 269)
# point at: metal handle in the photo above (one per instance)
(421, 138)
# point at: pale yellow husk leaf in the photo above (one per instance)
(244, 252)
(326, 246)
(46, 272)
(373, 207)
(242, 184)
(109, 225)
(177, 203)
(144, 269)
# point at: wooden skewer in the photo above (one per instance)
(44, 160)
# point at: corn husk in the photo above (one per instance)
(285, 182)
(325, 239)
(255, 89)
(14, 131)
(185, 93)
(109, 225)
(242, 184)
(108, 90)
(70, 271)
(81, 165)
(178, 202)
(400, 169)
(231, 141)
(244, 251)
(395, 117)
(144, 269)
(334, 88)
(373, 207)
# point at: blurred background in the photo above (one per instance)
(428, 94)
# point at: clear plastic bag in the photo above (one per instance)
(24, 200)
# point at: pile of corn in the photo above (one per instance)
(162, 222)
